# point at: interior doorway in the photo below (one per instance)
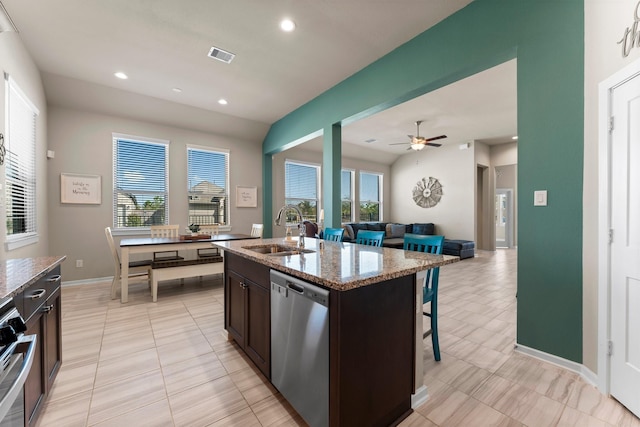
(505, 207)
(483, 217)
(504, 218)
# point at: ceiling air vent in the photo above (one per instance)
(221, 55)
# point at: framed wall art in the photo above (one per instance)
(246, 197)
(80, 189)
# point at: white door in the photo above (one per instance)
(625, 249)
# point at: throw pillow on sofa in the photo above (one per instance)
(348, 231)
(425, 229)
(376, 226)
(357, 227)
(387, 231)
(397, 231)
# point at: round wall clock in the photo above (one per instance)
(427, 194)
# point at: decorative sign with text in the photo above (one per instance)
(631, 37)
(246, 197)
(84, 189)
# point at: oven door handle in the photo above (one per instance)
(14, 391)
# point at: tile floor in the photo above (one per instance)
(167, 364)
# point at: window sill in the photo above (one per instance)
(17, 242)
(145, 231)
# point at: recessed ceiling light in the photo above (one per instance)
(514, 137)
(177, 89)
(222, 101)
(121, 75)
(287, 25)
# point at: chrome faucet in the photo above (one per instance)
(301, 226)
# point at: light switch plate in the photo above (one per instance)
(540, 198)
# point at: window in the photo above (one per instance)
(20, 170)
(346, 195)
(301, 190)
(140, 177)
(370, 196)
(208, 186)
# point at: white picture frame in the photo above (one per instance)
(246, 197)
(80, 189)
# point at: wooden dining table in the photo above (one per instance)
(158, 244)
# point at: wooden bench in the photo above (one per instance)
(179, 269)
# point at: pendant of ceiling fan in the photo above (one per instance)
(418, 142)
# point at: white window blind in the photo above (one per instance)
(140, 182)
(208, 186)
(346, 195)
(20, 162)
(302, 189)
(370, 196)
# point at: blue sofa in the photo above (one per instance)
(394, 236)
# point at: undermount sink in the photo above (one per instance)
(278, 250)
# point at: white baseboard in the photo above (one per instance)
(589, 376)
(87, 281)
(578, 368)
(419, 397)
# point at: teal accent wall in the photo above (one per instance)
(332, 161)
(547, 38)
(267, 195)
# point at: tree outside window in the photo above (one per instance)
(346, 195)
(208, 176)
(301, 190)
(370, 196)
(140, 180)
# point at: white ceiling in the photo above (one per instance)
(163, 44)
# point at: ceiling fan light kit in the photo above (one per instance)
(418, 142)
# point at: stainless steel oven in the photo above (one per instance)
(16, 357)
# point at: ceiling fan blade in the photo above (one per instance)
(436, 137)
(433, 144)
(400, 143)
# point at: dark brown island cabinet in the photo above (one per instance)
(247, 309)
(40, 306)
(371, 341)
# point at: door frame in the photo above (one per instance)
(508, 229)
(604, 218)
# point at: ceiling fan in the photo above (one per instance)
(419, 142)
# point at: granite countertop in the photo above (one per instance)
(17, 274)
(339, 266)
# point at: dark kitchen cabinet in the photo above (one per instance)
(41, 311)
(247, 309)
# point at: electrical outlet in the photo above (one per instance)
(79, 263)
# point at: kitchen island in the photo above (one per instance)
(375, 319)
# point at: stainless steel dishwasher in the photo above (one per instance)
(300, 346)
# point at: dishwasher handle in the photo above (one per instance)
(294, 287)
